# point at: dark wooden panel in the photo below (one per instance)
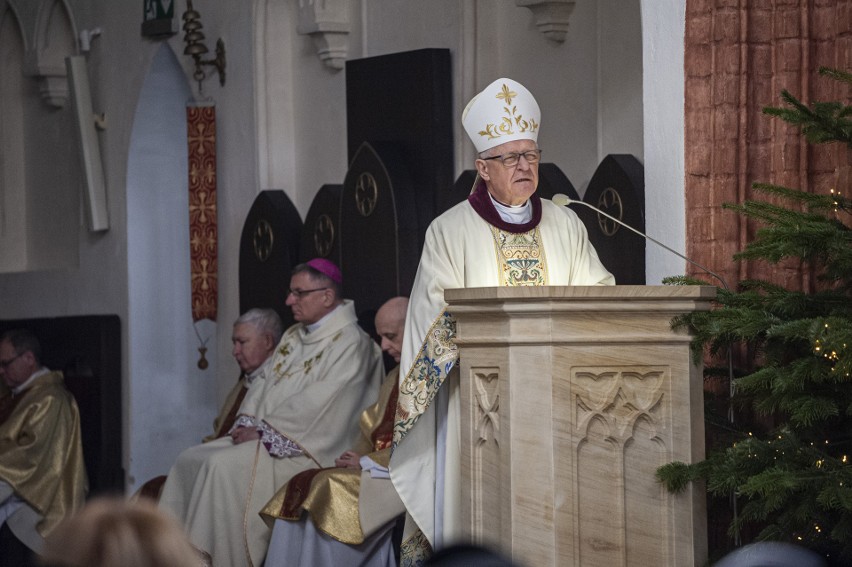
(321, 232)
(618, 189)
(459, 191)
(380, 248)
(269, 248)
(87, 349)
(406, 99)
(551, 181)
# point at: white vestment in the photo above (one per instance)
(310, 395)
(342, 516)
(462, 250)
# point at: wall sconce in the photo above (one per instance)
(195, 46)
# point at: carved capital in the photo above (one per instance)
(551, 16)
(54, 39)
(327, 22)
(52, 82)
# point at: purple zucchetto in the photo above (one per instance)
(327, 268)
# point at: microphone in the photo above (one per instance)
(564, 200)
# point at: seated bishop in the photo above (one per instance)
(42, 473)
(297, 415)
(346, 515)
(255, 336)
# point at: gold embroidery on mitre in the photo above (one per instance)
(520, 257)
(506, 94)
(512, 119)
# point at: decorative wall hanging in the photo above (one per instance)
(203, 231)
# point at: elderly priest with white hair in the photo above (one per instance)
(502, 235)
(299, 414)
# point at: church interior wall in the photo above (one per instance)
(158, 250)
(663, 120)
(281, 124)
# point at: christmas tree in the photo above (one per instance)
(785, 458)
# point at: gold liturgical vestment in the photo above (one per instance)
(41, 453)
(332, 496)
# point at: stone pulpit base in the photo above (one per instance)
(571, 398)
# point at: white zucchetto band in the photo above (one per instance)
(503, 112)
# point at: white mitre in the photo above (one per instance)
(503, 112)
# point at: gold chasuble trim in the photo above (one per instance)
(520, 262)
(436, 358)
(520, 257)
(415, 551)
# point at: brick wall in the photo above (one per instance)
(739, 56)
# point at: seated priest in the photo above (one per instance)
(502, 235)
(255, 336)
(346, 515)
(42, 473)
(299, 414)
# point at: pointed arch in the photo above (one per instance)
(13, 202)
(54, 39)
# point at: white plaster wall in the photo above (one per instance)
(296, 141)
(165, 379)
(487, 40)
(663, 24)
(620, 78)
(236, 159)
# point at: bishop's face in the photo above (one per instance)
(309, 299)
(251, 346)
(510, 185)
(390, 329)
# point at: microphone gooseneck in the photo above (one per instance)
(564, 200)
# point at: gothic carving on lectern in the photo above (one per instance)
(620, 438)
(619, 398)
(485, 463)
(488, 402)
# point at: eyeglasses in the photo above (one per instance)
(300, 293)
(511, 160)
(4, 364)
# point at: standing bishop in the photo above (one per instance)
(502, 235)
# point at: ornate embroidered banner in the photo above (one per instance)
(203, 232)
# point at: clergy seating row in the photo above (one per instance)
(87, 349)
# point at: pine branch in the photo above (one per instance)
(823, 122)
(788, 457)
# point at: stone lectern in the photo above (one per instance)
(571, 398)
